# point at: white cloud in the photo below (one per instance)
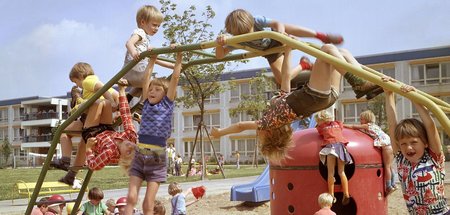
(38, 63)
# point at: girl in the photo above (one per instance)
(178, 200)
(149, 163)
(319, 93)
(420, 160)
(380, 140)
(333, 150)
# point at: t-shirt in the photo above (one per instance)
(178, 204)
(277, 114)
(325, 211)
(261, 24)
(91, 209)
(89, 86)
(156, 123)
(141, 46)
(423, 183)
(331, 132)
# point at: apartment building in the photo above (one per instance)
(27, 122)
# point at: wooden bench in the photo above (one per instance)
(48, 188)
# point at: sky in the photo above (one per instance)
(41, 40)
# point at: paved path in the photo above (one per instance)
(214, 187)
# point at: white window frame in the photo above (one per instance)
(357, 108)
(424, 72)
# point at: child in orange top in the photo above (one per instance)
(333, 150)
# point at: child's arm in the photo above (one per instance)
(147, 74)
(165, 64)
(355, 126)
(434, 141)
(125, 112)
(234, 128)
(391, 115)
(172, 91)
(221, 50)
(131, 46)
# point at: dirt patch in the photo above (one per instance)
(221, 205)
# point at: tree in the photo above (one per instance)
(254, 103)
(199, 81)
(6, 150)
(376, 105)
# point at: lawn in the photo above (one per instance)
(107, 178)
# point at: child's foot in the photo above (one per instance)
(345, 200)
(374, 93)
(390, 190)
(69, 178)
(305, 63)
(60, 164)
(365, 89)
(330, 38)
(334, 199)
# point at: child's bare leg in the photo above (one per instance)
(150, 196)
(133, 191)
(234, 128)
(106, 116)
(299, 31)
(388, 157)
(94, 114)
(276, 69)
(331, 164)
(343, 177)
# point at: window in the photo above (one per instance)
(352, 111)
(4, 115)
(209, 120)
(213, 99)
(208, 150)
(17, 135)
(18, 113)
(241, 89)
(415, 114)
(429, 74)
(241, 117)
(3, 133)
(245, 147)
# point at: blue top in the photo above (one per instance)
(178, 204)
(156, 123)
(261, 24)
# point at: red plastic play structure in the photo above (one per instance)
(296, 184)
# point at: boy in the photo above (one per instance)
(95, 205)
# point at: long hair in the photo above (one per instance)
(275, 143)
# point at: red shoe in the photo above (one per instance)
(305, 63)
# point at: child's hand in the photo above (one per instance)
(222, 39)
(91, 142)
(174, 45)
(134, 54)
(386, 78)
(407, 88)
(122, 82)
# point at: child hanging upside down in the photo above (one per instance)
(319, 93)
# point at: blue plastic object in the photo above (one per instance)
(256, 191)
(259, 190)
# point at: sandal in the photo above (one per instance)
(346, 200)
(60, 164)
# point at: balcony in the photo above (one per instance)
(38, 138)
(43, 115)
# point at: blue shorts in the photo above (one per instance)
(150, 167)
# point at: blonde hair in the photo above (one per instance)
(323, 116)
(110, 203)
(147, 13)
(159, 208)
(369, 116)
(174, 188)
(81, 70)
(411, 128)
(239, 22)
(325, 199)
(275, 143)
(161, 82)
(125, 160)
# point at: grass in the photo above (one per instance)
(108, 178)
